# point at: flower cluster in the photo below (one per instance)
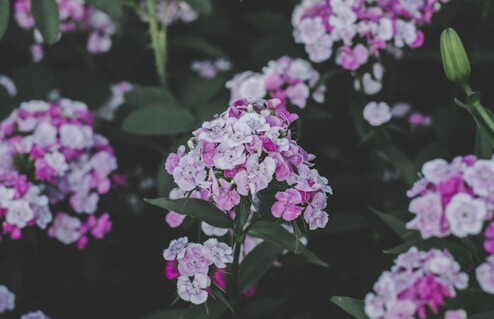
(170, 11)
(243, 151)
(357, 30)
(196, 266)
(55, 146)
(287, 79)
(7, 299)
(453, 198)
(417, 281)
(209, 69)
(21, 204)
(75, 15)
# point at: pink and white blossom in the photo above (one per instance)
(376, 113)
(7, 299)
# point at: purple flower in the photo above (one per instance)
(190, 172)
(176, 250)
(7, 299)
(221, 253)
(65, 228)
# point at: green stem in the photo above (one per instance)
(236, 262)
(158, 40)
(479, 108)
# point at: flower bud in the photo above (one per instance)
(455, 60)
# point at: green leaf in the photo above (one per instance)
(484, 315)
(215, 309)
(256, 264)
(158, 120)
(400, 161)
(145, 96)
(200, 209)
(111, 7)
(482, 148)
(352, 306)
(166, 314)
(197, 90)
(47, 19)
(487, 133)
(4, 16)
(398, 226)
(275, 233)
(196, 44)
(219, 294)
(201, 6)
(346, 222)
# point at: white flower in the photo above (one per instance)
(19, 213)
(212, 230)
(465, 215)
(45, 134)
(194, 291)
(377, 113)
(56, 160)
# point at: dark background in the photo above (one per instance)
(122, 276)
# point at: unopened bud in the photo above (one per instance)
(455, 60)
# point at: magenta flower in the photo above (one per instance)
(489, 236)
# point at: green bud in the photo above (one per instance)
(455, 60)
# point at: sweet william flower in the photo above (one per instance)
(377, 113)
(221, 253)
(455, 314)
(195, 290)
(465, 215)
(176, 250)
(196, 260)
(286, 207)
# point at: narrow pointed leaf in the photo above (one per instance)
(256, 264)
(4, 16)
(398, 226)
(277, 234)
(200, 209)
(352, 306)
(47, 19)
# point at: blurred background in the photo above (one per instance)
(122, 276)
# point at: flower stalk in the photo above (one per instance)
(158, 35)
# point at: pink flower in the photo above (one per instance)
(221, 253)
(430, 219)
(190, 172)
(314, 214)
(171, 270)
(286, 206)
(352, 59)
(174, 220)
(196, 260)
(481, 177)
(225, 197)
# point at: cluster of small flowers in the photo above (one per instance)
(170, 11)
(118, 90)
(453, 198)
(360, 29)
(379, 113)
(209, 69)
(241, 152)
(196, 266)
(287, 79)
(21, 204)
(54, 144)
(75, 15)
(417, 281)
(7, 299)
